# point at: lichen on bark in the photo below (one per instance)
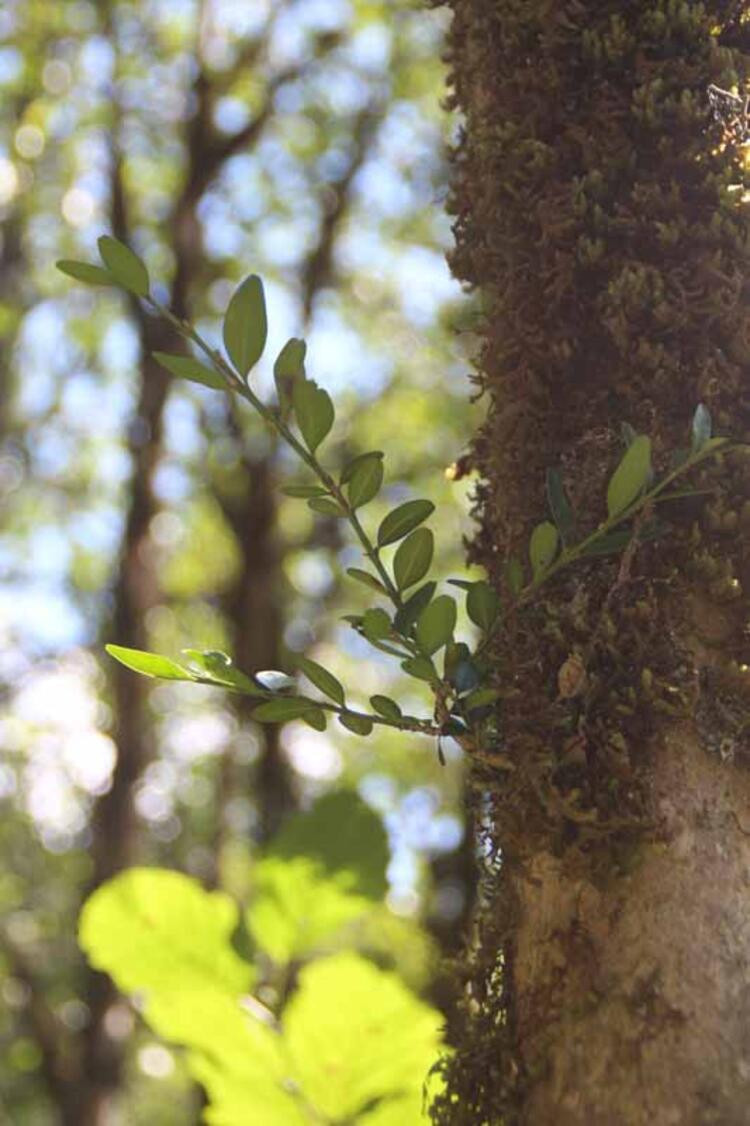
(601, 213)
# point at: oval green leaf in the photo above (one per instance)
(321, 678)
(187, 367)
(386, 707)
(219, 669)
(282, 709)
(376, 624)
(85, 272)
(482, 605)
(124, 266)
(630, 477)
(366, 579)
(413, 558)
(149, 664)
(401, 521)
(701, 428)
(326, 506)
(245, 325)
(542, 547)
(315, 718)
(288, 366)
(313, 410)
(436, 623)
(413, 607)
(365, 480)
(421, 668)
(359, 724)
(559, 507)
(304, 491)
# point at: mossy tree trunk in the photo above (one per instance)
(599, 210)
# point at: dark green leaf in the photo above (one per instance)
(376, 624)
(482, 605)
(304, 491)
(514, 575)
(245, 325)
(315, 718)
(609, 544)
(436, 624)
(289, 365)
(326, 506)
(282, 709)
(187, 367)
(321, 678)
(85, 272)
(628, 434)
(313, 410)
(701, 429)
(455, 652)
(480, 698)
(149, 664)
(218, 668)
(365, 480)
(413, 607)
(386, 707)
(467, 677)
(542, 547)
(366, 578)
(559, 507)
(359, 724)
(124, 266)
(421, 668)
(348, 471)
(344, 836)
(413, 558)
(407, 516)
(630, 477)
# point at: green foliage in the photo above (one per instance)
(542, 547)
(187, 367)
(351, 1042)
(124, 266)
(403, 519)
(313, 410)
(245, 325)
(630, 477)
(413, 558)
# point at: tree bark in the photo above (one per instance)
(600, 212)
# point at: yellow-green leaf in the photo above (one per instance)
(245, 324)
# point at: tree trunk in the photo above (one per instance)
(599, 209)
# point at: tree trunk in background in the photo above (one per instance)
(594, 208)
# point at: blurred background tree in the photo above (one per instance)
(304, 141)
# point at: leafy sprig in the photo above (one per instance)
(420, 623)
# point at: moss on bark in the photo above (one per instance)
(600, 211)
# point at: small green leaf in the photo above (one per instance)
(348, 471)
(321, 678)
(386, 707)
(124, 266)
(407, 516)
(359, 724)
(313, 410)
(366, 579)
(421, 668)
(436, 623)
(514, 575)
(245, 325)
(365, 479)
(315, 718)
(219, 669)
(326, 506)
(542, 547)
(282, 709)
(187, 367)
(559, 507)
(304, 491)
(701, 428)
(289, 366)
(376, 624)
(610, 543)
(85, 272)
(630, 477)
(482, 605)
(480, 698)
(413, 558)
(149, 664)
(413, 607)
(467, 676)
